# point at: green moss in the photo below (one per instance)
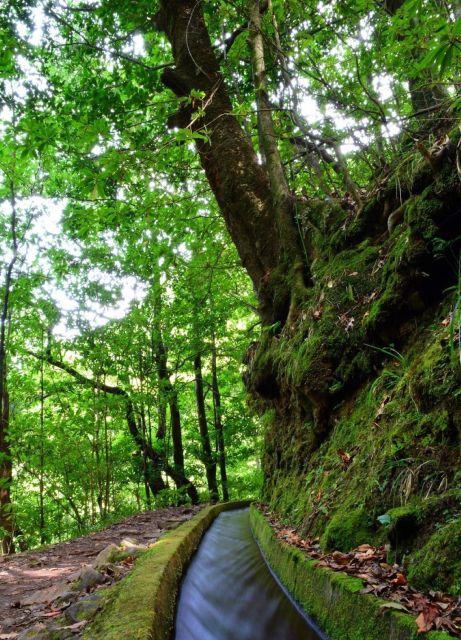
(347, 530)
(432, 375)
(422, 214)
(404, 520)
(396, 414)
(332, 599)
(437, 565)
(400, 431)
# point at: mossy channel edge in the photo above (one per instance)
(331, 598)
(142, 605)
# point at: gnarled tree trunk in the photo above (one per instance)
(256, 205)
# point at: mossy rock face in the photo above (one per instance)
(401, 432)
(360, 392)
(437, 565)
(347, 530)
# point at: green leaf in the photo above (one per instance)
(447, 59)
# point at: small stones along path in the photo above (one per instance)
(36, 586)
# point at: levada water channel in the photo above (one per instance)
(229, 592)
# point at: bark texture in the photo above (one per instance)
(259, 218)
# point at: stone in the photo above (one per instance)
(127, 532)
(107, 556)
(7, 623)
(84, 609)
(37, 632)
(42, 632)
(44, 596)
(131, 549)
(129, 542)
(66, 597)
(88, 577)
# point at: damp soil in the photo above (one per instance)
(28, 574)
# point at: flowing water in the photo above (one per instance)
(229, 593)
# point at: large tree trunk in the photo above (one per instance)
(258, 215)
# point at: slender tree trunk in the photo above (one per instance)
(176, 431)
(41, 483)
(161, 416)
(177, 472)
(133, 427)
(208, 458)
(96, 450)
(168, 394)
(78, 518)
(108, 462)
(218, 423)
(152, 474)
(6, 461)
(6, 475)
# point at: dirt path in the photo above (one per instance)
(25, 576)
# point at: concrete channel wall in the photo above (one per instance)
(142, 606)
(332, 598)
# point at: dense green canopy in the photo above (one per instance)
(159, 165)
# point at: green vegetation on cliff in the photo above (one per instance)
(362, 395)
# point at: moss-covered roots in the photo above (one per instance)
(333, 599)
(141, 607)
(360, 393)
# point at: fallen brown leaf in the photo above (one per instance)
(425, 620)
(345, 457)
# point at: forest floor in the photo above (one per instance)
(36, 586)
